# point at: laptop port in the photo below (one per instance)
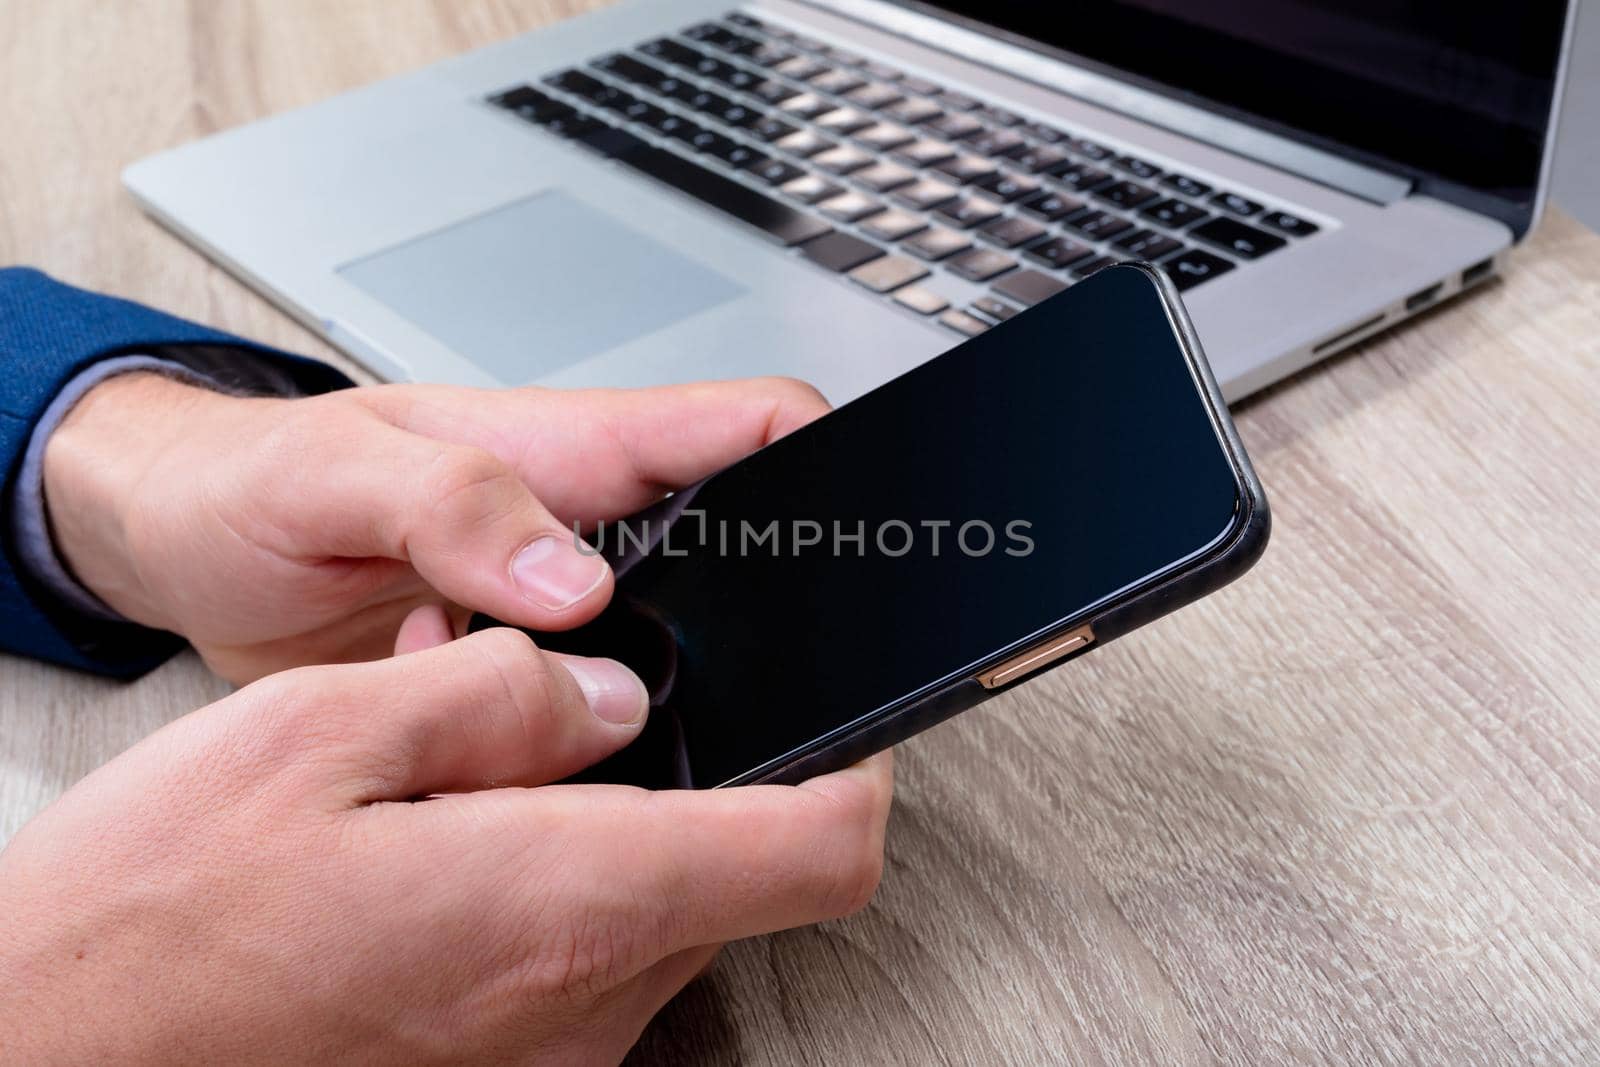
(1477, 272)
(1339, 340)
(1424, 297)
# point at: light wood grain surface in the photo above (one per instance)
(1343, 812)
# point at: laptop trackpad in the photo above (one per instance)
(538, 285)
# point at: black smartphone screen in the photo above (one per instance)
(1010, 485)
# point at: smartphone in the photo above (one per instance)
(1021, 500)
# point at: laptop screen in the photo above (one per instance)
(1459, 93)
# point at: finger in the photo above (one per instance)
(601, 454)
(426, 627)
(691, 868)
(487, 710)
(463, 519)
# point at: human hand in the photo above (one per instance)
(260, 882)
(275, 533)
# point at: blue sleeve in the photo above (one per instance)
(48, 333)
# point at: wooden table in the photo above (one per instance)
(1346, 811)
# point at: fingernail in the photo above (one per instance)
(614, 693)
(552, 573)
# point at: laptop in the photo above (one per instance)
(837, 190)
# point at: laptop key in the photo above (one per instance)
(1236, 237)
(772, 217)
(1039, 131)
(968, 211)
(966, 169)
(1237, 204)
(674, 52)
(1011, 232)
(1186, 185)
(668, 124)
(837, 82)
(801, 68)
(1127, 194)
(1007, 187)
(1100, 225)
(893, 225)
(1029, 287)
(850, 207)
(1193, 267)
(1052, 207)
(925, 153)
(770, 55)
(643, 112)
(711, 142)
(841, 160)
(1293, 225)
(573, 124)
(874, 97)
(577, 83)
(882, 71)
(1084, 268)
(626, 67)
(774, 91)
(925, 194)
(1174, 214)
(811, 188)
(706, 100)
(963, 323)
(769, 128)
(998, 144)
(1058, 252)
(1147, 244)
(842, 121)
(1040, 158)
(888, 273)
(611, 142)
(805, 143)
(996, 309)
(530, 104)
(958, 101)
(955, 126)
(806, 106)
(937, 243)
(999, 116)
(885, 136)
(1139, 168)
(743, 156)
(1093, 149)
(980, 264)
(881, 177)
(840, 252)
(776, 171)
(842, 55)
(921, 86)
(913, 111)
(920, 300)
(675, 88)
(1083, 179)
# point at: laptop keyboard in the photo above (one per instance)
(886, 177)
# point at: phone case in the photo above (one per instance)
(1207, 574)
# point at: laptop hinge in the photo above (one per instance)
(1240, 138)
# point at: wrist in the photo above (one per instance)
(97, 465)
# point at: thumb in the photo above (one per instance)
(464, 520)
(488, 710)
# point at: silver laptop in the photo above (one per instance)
(668, 190)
